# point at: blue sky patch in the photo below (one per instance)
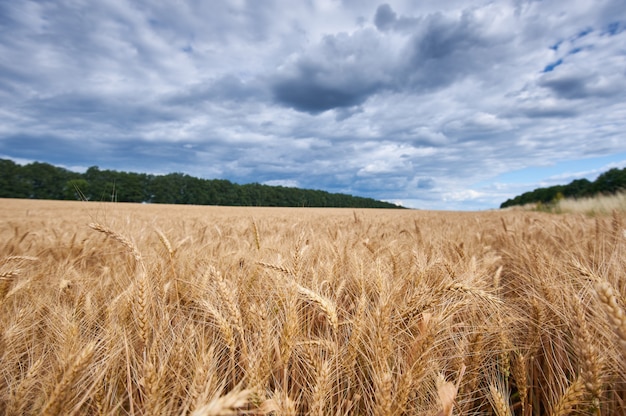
(550, 67)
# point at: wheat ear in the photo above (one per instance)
(614, 311)
(282, 269)
(150, 384)
(120, 239)
(279, 404)
(224, 327)
(325, 304)
(572, 397)
(19, 399)
(7, 277)
(446, 391)
(224, 405)
(257, 238)
(321, 390)
(55, 402)
(498, 400)
(205, 379)
(228, 295)
(592, 366)
(383, 394)
(142, 300)
(5, 282)
(520, 374)
(165, 241)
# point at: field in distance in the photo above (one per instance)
(110, 308)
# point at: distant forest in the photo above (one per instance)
(610, 182)
(44, 181)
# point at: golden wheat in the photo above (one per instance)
(115, 309)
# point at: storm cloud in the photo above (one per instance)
(422, 54)
(343, 70)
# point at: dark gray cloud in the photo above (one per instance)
(341, 71)
(419, 102)
(55, 149)
(569, 87)
(315, 96)
(548, 111)
(89, 109)
(446, 49)
(226, 88)
(425, 183)
(385, 18)
(344, 70)
(580, 86)
(443, 37)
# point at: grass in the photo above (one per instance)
(121, 309)
(597, 205)
(600, 205)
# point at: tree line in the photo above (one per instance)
(44, 181)
(608, 183)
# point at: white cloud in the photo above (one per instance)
(464, 195)
(289, 183)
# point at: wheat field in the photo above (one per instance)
(120, 309)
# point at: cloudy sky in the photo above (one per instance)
(444, 104)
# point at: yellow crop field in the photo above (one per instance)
(120, 309)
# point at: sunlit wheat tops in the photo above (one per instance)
(118, 309)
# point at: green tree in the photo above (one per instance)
(577, 188)
(41, 180)
(130, 187)
(76, 189)
(12, 181)
(47, 181)
(610, 181)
